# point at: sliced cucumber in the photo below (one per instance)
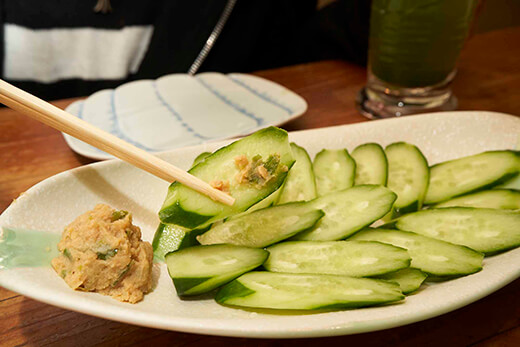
(460, 176)
(513, 183)
(264, 227)
(201, 157)
(351, 258)
(485, 230)
(171, 237)
(408, 177)
(348, 211)
(267, 202)
(268, 149)
(506, 199)
(371, 164)
(409, 279)
(432, 256)
(334, 170)
(300, 184)
(200, 269)
(306, 292)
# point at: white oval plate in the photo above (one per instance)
(53, 203)
(180, 110)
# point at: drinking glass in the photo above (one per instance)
(413, 49)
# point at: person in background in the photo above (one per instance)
(66, 48)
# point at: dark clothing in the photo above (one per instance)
(259, 34)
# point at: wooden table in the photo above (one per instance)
(488, 79)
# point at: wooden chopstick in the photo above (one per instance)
(58, 119)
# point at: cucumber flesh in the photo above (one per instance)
(408, 177)
(334, 170)
(268, 149)
(505, 199)
(201, 157)
(429, 255)
(348, 211)
(485, 230)
(306, 292)
(460, 176)
(409, 279)
(200, 269)
(371, 164)
(264, 227)
(170, 237)
(300, 184)
(350, 258)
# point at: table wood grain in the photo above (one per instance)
(488, 79)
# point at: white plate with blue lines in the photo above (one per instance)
(180, 110)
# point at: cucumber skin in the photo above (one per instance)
(200, 158)
(189, 240)
(317, 214)
(233, 289)
(174, 213)
(487, 252)
(308, 236)
(512, 183)
(405, 263)
(406, 290)
(501, 180)
(350, 161)
(372, 144)
(187, 286)
(236, 289)
(417, 204)
(507, 205)
(282, 199)
(450, 275)
(492, 185)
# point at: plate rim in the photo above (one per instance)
(71, 141)
(193, 325)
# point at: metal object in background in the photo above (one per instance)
(213, 37)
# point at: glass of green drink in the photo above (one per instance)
(413, 49)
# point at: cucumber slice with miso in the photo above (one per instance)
(371, 164)
(408, 177)
(300, 184)
(485, 230)
(348, 211)
(505, 199)
(306, 292)
(334, 170)
(264, 227)
(250, 169)
(171, 237)
(200, 269)
(435, 257)
(477, 172)
(409, 279)
(350, 258)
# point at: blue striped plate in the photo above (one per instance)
(181, 110)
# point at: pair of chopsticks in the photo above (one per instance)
(58, 119)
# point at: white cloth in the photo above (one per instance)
(49, 55)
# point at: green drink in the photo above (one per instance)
(413, 49)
